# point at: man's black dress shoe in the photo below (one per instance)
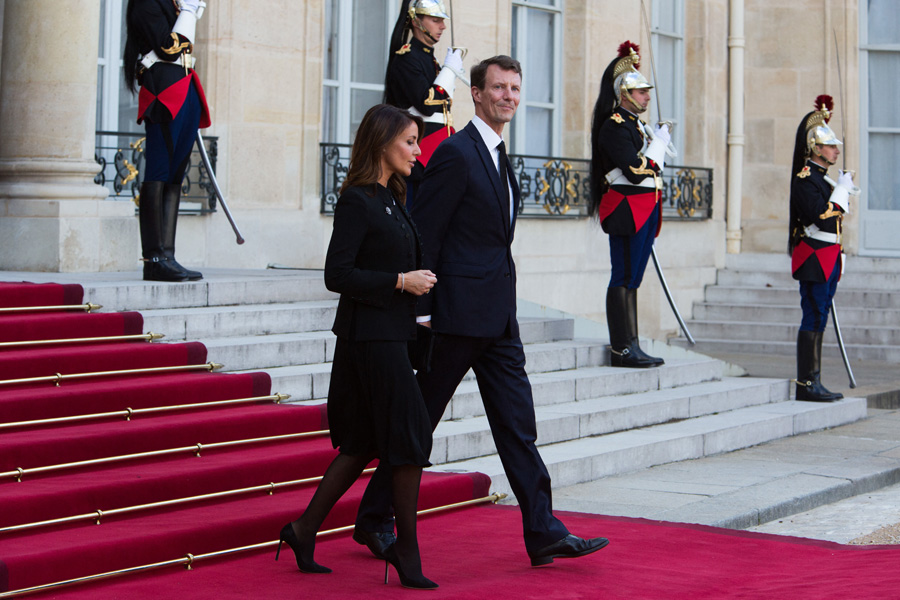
(570, 546)
(376, 542)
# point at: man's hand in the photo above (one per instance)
(454, 60)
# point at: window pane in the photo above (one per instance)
(667, 70)
(128, 108)
(883, 89)
(665, 15)
(101, 46)
(360, 102)
(99, 122)
(540, 57)
(329, 115)
(370, 41)
(539, 131)
(884, 22)
(543, 2)
(884, 183)
(332, 19)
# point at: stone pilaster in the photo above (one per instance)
(53, 217)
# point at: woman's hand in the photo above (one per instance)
(416, 282)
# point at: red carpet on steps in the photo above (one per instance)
(478, 554)
(39, 294)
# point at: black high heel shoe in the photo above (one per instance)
(287, 535)
(416, 583)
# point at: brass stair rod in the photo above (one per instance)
(57, 378)
(128, 413)
(149, 336)
(196, 449)
(97, 515)
(87, 307)
(189, 559)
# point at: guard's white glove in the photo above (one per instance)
(840, 196)
(454, 60)
(846, 179)
(656, 151)
(192, 6)
(662, 132)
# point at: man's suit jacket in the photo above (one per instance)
(373, 240)
(466, 233)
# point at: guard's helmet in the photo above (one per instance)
(817, 130)
(623, 73)
(428, 8)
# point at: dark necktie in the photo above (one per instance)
(502, 168)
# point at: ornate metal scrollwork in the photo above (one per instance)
(552, 187)
(120, 156)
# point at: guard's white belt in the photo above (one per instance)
(616, 177)
(149, 59)
(437, 117)
(813, 231)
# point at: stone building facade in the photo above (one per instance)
(737, 74)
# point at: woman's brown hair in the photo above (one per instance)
(380, 126)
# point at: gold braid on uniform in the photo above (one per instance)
(830, 212)
(643, 169)
(445, 104)
(177, 47)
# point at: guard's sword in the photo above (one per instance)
(217, 189)
(840, 340)
(461, 76)
(665, 287)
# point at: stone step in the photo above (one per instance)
(790, 295)
(850, 280)
(310, 381)
(471, 438)
(591, 458)
(787, 332)
(221, 287)
(717, 347)
(243, 320)
(774, 313)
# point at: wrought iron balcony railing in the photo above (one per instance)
(121, 158)
(555, 187)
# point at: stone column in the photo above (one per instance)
(53, 217)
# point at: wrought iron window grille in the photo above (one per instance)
(120, 156)
(555, 188)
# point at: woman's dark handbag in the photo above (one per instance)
(420, 349)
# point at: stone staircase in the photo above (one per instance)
(754, 307)
(593, 420)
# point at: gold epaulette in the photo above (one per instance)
(404, 49)
(617, 117)
(804, 172)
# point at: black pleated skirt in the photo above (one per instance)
(374, 403)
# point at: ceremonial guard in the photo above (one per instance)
(159, 59)
(626, 162)
(416, 82)
(818, 205)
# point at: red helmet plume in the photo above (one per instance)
(625, 49)
(826, 103)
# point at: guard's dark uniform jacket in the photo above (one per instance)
(814, 259)
(410, 84)
(626, 205)
(164, 86)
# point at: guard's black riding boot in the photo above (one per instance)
(150, 215)
(809, 361)
(631, 303)
(623, 348)
(170, 203)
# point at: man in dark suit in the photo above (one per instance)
(465, 211)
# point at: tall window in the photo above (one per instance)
(116, 106)
(880, 143)
(357, 35)
(537, 44)
(667, 30)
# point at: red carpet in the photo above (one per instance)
(162, 458)
(478, 553)
(473, 553)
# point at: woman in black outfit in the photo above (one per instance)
(375, 408)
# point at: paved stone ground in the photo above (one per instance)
(841, 484)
